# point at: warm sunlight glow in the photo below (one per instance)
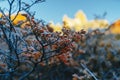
(77, 23)
(80, 15)
(56, 27)
(80, 21)
(19, 18)
(115, 27)
(0, 15)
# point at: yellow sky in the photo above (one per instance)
(18, 18)
(80, 21)
(77, 23)
(115, 27)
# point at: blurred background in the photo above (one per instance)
(54, 10)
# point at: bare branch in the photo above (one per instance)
(85, 67)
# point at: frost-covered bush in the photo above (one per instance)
(37, 52)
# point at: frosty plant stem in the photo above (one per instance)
(85, 67)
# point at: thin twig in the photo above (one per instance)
(85, 67)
